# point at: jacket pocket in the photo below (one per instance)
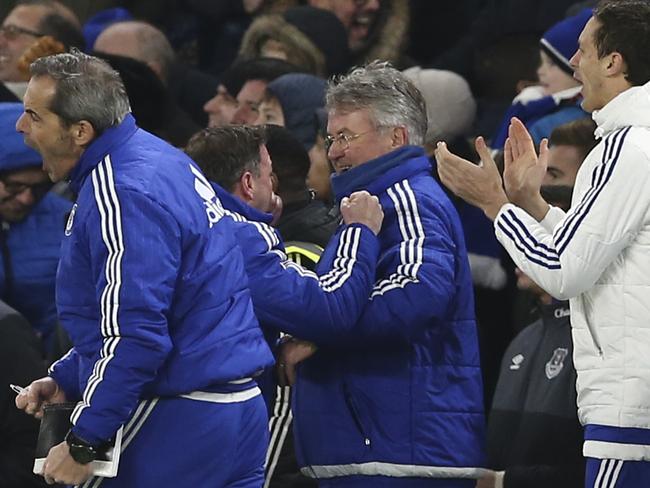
(353, 406)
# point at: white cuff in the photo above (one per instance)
(498, 479)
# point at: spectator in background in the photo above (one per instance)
(33, 223)
(189, 87)
(21, 363)
(292, 101)
(568, 147)
(138, 40)
(377, 29)
(556, 99)
(242, 89)
(27, 21)
(295, 101)
(451, 107)
(311, 38)
(304, 218)
(534, 438)
(396, 399)
(152, 106)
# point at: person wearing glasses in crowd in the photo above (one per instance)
(25, 23)
(396, 398)
(33, 223)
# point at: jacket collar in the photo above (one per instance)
(234, 204)
(629, 108)
(378, 174)
(99, 148)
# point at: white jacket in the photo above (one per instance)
(598, 256)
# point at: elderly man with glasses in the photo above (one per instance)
(25, 23)
(396, 398)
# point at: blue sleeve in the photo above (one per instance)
(65, 372)
(418, 279)
(135, 258)
(297, 301)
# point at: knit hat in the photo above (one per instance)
(314, 39)
(14, 153)
(326, 32)
(560, 42)
(300, 96)
(451, 108)
(267, 69)
(96, 24)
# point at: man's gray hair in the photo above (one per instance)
(391, 99)
(87, 88)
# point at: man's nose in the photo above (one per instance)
(25, 197)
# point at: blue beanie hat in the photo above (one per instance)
(14, 153)
(96, 24)
(300, 96)
(560, 42)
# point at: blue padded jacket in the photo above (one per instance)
(399, 393)
(151, 286)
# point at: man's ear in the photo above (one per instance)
(83, 133)
(246, 186)
(400, 137)
(616, 65)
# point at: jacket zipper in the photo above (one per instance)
(355, 416)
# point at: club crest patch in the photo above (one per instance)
(556, 363)
(70, 222)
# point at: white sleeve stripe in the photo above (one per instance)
(53, 365)
(418, 223)
(288, 264)
(512, 234)
(345, 261)
(117, 266)
(534, 248)
(341, 251)
(107, 354)
(346, 271)
(566, 230)
(411, 253)
(111, 227)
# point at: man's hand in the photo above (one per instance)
(292, 352)
(479, 185)
(362, 208)
(59, 467)
(39, 393)
(524, 171)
